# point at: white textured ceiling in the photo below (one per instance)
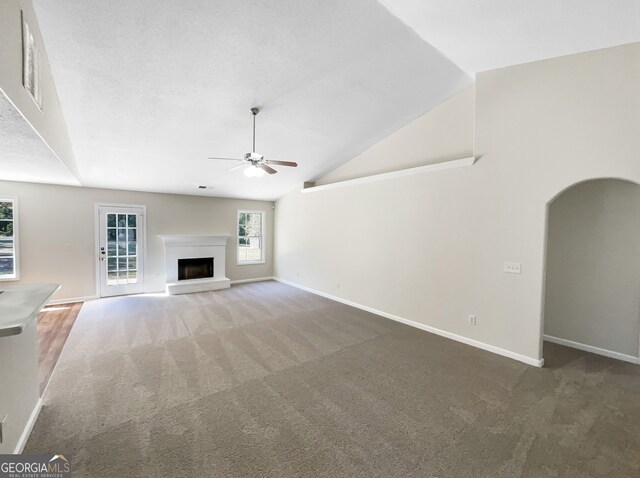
(24, 156)
(481, 35)
(150, 89)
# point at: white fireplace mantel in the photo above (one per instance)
(192, 247)
(176, 241)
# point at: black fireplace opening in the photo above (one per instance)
(198, 268)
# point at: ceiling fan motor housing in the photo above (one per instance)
(253, 157)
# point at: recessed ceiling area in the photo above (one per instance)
(25, 156)
(149, 93)
(488, 34)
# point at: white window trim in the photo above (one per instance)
(16, 241)
(264, 234)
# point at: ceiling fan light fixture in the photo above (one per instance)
(254, 172)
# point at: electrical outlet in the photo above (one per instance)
(338, 285)
(512, 267)
(472, 320)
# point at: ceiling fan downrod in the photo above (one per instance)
(254, 112)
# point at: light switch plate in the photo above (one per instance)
(513, 267)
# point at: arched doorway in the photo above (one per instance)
(592, 284)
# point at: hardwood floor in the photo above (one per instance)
(54, 324)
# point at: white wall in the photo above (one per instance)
(444, 134)
(57, 232)
(49, 122)
(593, 266)
(430, 248)
(19, 383)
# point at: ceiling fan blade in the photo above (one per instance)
(282, 163)
(237, 167)
(267, 168)
(228, 159)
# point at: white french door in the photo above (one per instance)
(120, 250)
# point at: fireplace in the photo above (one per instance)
(198, 268)
(189, 263)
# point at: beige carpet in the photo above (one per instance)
(265, 380)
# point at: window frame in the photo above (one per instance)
(16, 247)
(263, 248)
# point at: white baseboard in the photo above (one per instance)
(28, 427)
(592, 349)
(458, 338)
(72, 300)
(257, 279)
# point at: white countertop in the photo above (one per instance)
(20, 304)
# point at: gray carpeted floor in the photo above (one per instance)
(266, 380)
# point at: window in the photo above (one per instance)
(251, 237)
(8, 239)
(31, 64)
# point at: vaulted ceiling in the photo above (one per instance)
(487, 34)
(150, 89)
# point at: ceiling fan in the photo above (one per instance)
(258, 166)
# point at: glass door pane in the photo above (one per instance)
(122, 233)
(121, 250)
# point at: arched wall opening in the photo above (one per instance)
(592, 272)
